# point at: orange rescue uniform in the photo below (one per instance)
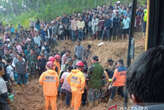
(76, 80)
(119, 77)
(50, 81)
(57, 64)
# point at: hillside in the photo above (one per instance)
(115, 49)
(30, 97)
(22, 11)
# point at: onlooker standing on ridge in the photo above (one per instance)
(73, 28)
(126, 26)
(107, 28)
(80, 26)
(94, 24)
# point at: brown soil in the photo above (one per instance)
(31, 98)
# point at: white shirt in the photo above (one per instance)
(3, 87)
(126, 23)
(37, 40)
(15, 60)
(65, 85)
(10, 71)
(95, 22)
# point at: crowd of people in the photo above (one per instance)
(28, 54)
(103, 23)
(60, 74)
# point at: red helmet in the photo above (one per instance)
(80, 64)
(50, 64)
(51, 59)
(57, 57)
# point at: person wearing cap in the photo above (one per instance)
(76, 80)
(50, 81)
(118, 80)
(95, 81)
(3, 92)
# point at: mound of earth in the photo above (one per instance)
(31, 97)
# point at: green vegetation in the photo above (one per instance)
(22, 11)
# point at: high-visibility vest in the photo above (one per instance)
(76, 80)
(145, 15)
(119, 76)
(50, 81)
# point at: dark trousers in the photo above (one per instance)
(119, 90)
(73, 35)
(22, 79)
(68, 96)
(106, 34)
(80, 35)
(84, 97)
(4, 106)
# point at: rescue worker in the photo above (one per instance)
(118, 80)
(95, 82)
(57, 63)
(76, 80)
(52, 59)
(50, 81)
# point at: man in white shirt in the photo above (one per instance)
(94, 24)
(37, 40)
(10, 69)
(126, 26)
